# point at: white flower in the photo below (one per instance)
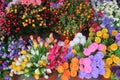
(23, 56)
(49, 71)
(43, 57)
(72, 43)
(76, 40)
(46, 76)
(28, 65)
(32, 52)
(61, 43)
(83, 41)
(19, 59)
(37, 52)
(78, 35)
(17, 63)
(37, 71)
(27, 75)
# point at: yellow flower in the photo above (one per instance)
(60, 69)
(104, 30)
(99, 33)
(26, 70)
(73, 51)
(23, 52)
(28, 55)
(97, 39)
(25, 60)
(91, 34)
(108, 61)
(33, 25)
(44, 63)
(105, 35)
(116, 60)
(107, 73)
(20, 72)
(36, 76)
(23, 64)
(114, 32)
(91, 29)
(18, 68)
(114, 46)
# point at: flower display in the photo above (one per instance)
(93, 66)
(112, 11)
(56, 55)
(66, 71)
(84, 43)
(77, 19)
(33, 61)
(8, 53)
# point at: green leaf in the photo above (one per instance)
(87, 43)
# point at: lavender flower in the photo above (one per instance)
(114, 68)
(7, 77)
(117, 36)
(97, 66)
(117, 73)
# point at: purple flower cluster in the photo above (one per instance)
(69, 54)
(117, 37)
(97, 66)
(56, 4)
(116, 70)
(8, 52)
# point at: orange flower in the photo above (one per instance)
(73, 73)
(64, 77)
(67, 73)
(74, 60)
(60, 69)
(74, 66)
(65, 65)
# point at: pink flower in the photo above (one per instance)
(86, 52)
(87, 61)
(81, 60)
(101, 47)
(88, 69)
(81, 68)
(37, 2)
(93, 47)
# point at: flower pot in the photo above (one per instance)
(102, 78)
(51, 77)
(77, 78)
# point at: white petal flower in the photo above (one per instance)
(78, 35)
(37, 71)
(32, 52)
(37, 52)
(83, 41)
(17, 63)
(49, 71)
(76, 40)
(46, 77)
(72, 43)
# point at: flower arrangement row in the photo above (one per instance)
(81, 57)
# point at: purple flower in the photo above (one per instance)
(99, 55)
(110, 29)
(95, 73)
(81, 75)
(117, 36)
(7, 77)
(118, 43)
(114, 68)
(117, 73)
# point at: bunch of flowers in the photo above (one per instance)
(56, 55)
(8, 52)
(110, 62)
(2, 4)
(68, 70)
(111, 10)
(116, 71)
(33, 61)
(70, 18)
(92, 66)
(12, 25)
